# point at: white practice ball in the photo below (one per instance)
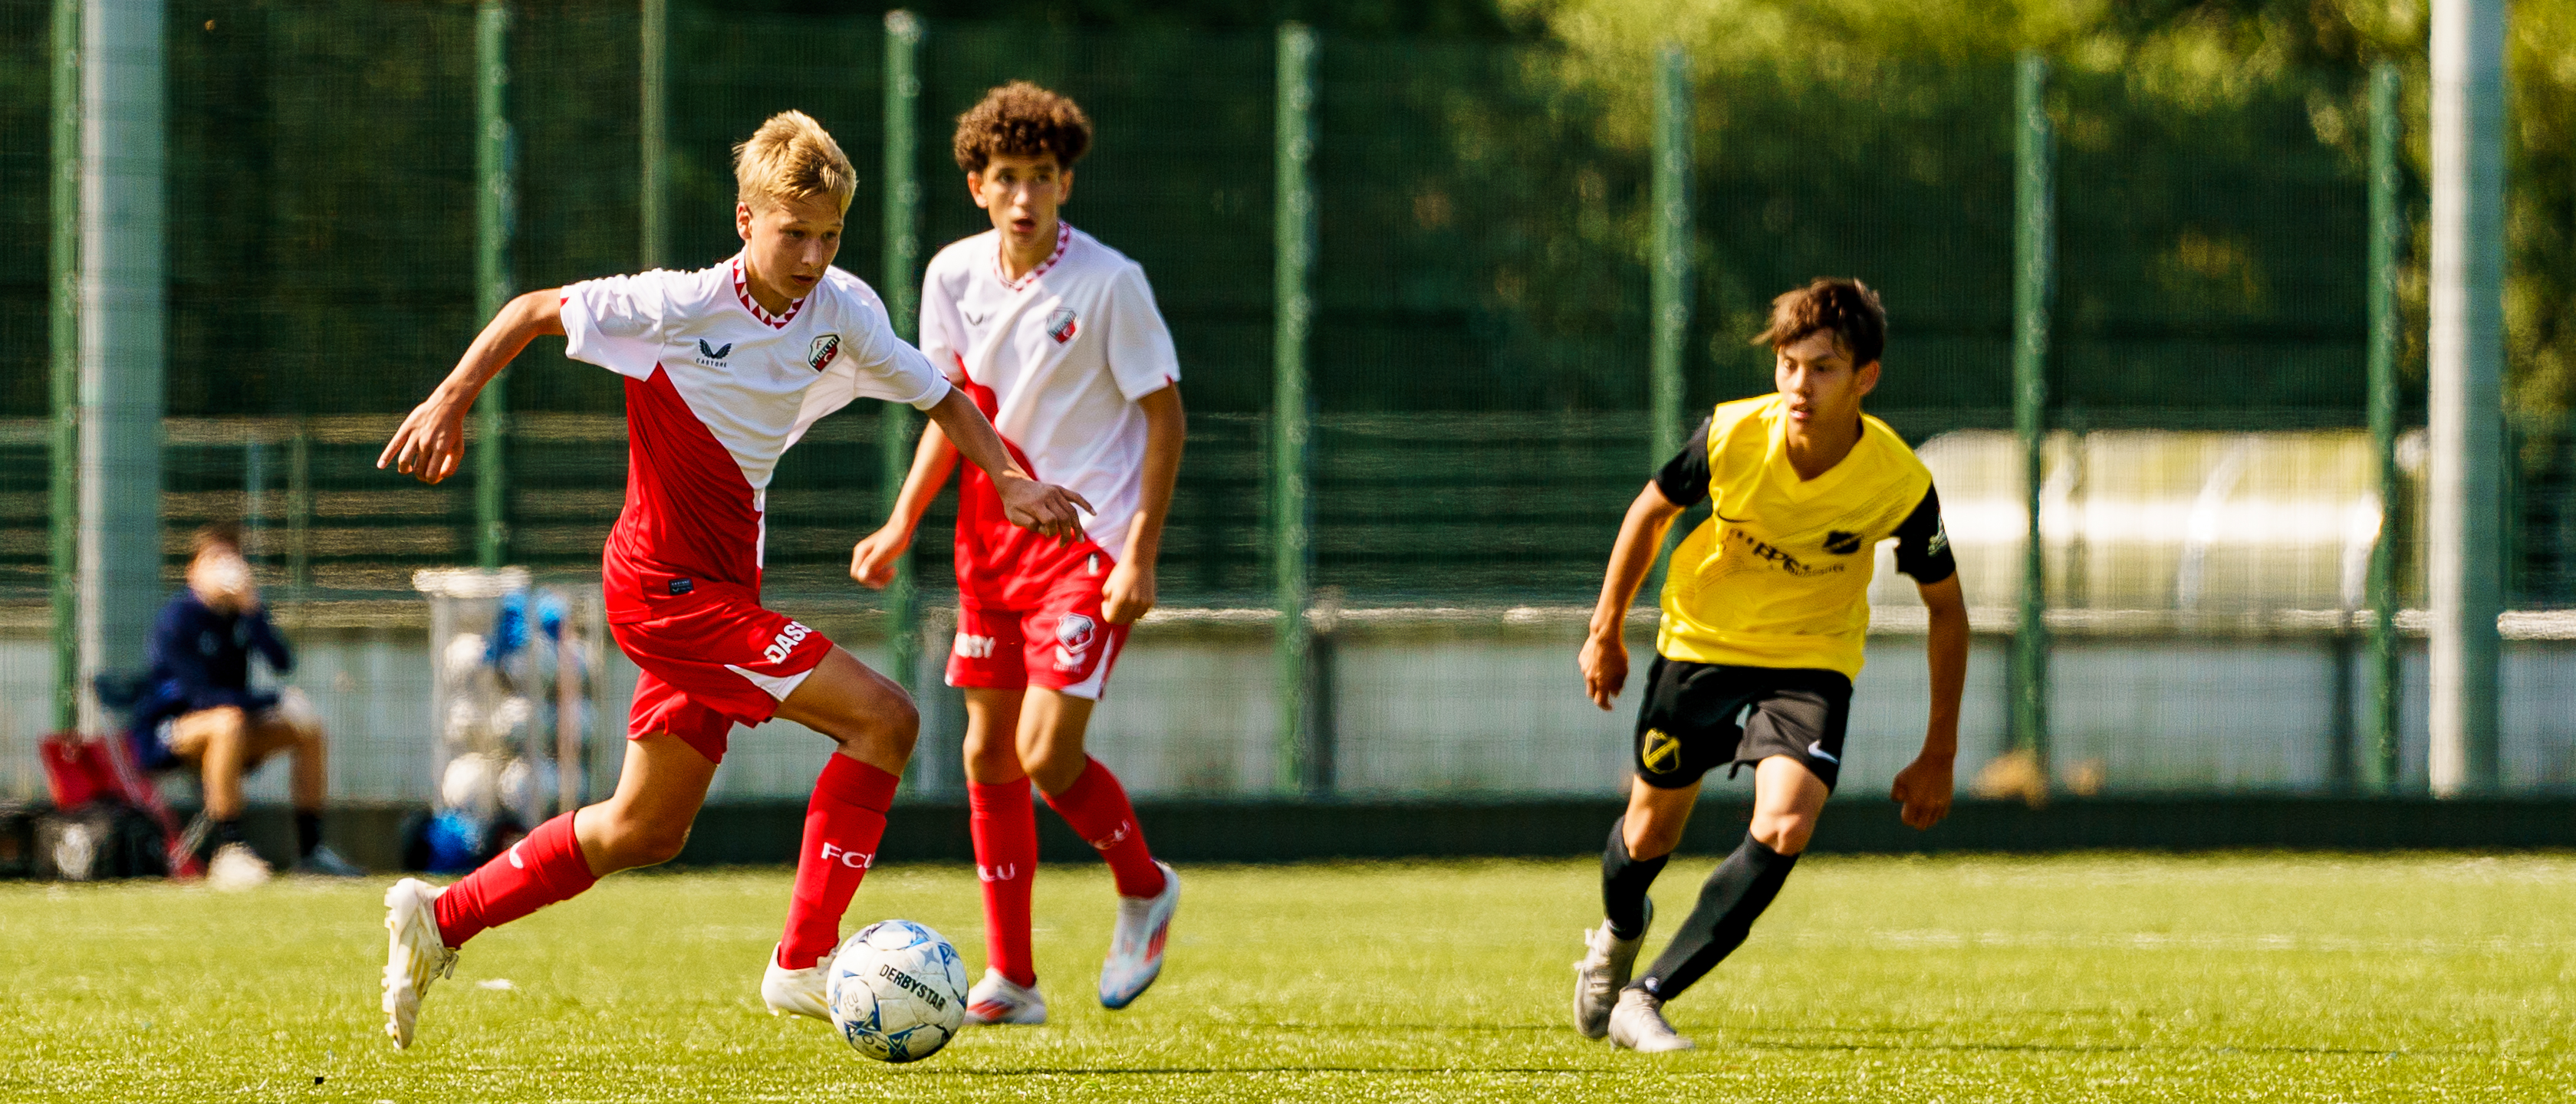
(523, 785)
(898, 991)
(464, 656)
(513, 711)
(465, 723)
(472, 785)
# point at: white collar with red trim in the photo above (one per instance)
(1063, 241)
(742, 291)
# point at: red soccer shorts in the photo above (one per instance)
(714, 659)
(1064, 645)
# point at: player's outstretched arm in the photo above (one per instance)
(1924, 786)
(1605, 648)
(431, 440)
(872, 559)
(1129, 593)
(1044, 508)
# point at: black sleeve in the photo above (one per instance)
(1922, 545)
(1684, 478)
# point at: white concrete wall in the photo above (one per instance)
(1493, 714)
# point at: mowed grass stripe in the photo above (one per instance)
(2256, 977)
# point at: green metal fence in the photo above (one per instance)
(1483, 231)
(1440, 305)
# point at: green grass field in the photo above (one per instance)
(2252, 977)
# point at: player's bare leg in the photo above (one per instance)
(1787, 799)
(1656, 817)
(1051, 729)
(293, 728)
(865, 714)
(1048, 738)
(220, 742)
(873, 723)
(645, 821)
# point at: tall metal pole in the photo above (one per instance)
(652, 135)
(2379, 722)
(1672, 245)
(1671, 276)
(1291, 521)
(903, 302)
(299, 512)
(122, 300)
(2466, 424)
(64, 292)
(496, 217)
(2034, 280)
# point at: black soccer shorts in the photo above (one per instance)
(1697, 716)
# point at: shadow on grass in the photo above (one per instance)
(1776, 1043)
(2095, 1048)
(1155, 1071)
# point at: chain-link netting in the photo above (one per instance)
(1478, 361)
(26, 132)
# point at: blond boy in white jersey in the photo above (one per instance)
(1057, 339)
(724, 368)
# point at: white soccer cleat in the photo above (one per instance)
(236, 867)
(1136, 950)
(415, 955)
(1638, 1024)
(999, 1000)
(1604, 969)
(803, 992)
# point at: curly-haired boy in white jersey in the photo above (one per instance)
(725, 368)
(1057, 338)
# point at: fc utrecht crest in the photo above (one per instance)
(820, 355)
(1061, 325)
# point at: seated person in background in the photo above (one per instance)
(199, 708)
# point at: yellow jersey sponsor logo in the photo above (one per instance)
(1778, 557)
(1663, 753)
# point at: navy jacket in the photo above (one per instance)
(201, 660)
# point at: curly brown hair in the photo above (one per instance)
(1020, 119)
(1848, 308)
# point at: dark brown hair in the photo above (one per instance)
(1848, 308)
(222, 534)
(1020, 119)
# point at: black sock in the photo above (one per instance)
(1737, 893)
(228, 831)
(308, 832)
(1624, 882)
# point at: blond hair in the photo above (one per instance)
(791, 157)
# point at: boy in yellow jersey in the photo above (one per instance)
(1765, 607)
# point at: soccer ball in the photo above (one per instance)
(898, 991)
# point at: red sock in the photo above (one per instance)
(1005, 826)
(539, 870)
(843, 823)
(1096, 806)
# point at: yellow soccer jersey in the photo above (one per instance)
(1778, 576)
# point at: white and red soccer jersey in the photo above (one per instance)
(1057, 360)
(716, 389)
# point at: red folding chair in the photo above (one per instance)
(81, 769)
